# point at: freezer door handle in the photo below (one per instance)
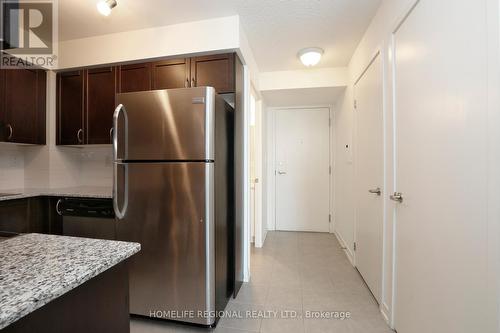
(122, 192)
(120, 148)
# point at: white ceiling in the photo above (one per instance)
(276, 29)
(302, 97)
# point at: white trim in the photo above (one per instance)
(246, 179)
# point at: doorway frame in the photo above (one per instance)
(270, 168)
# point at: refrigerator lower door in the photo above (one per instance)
(168, 208)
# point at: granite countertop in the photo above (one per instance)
(36, 269)
(103, 192)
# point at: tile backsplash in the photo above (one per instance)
(54, 166)
(11, 167)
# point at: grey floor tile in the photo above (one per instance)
(284, 297)
(245, 317)
(252, 294)
(294, 278)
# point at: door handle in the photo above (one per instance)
(281, 172)
(11, 131)
(398, 197)
(376, 191)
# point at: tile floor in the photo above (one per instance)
(295, 275)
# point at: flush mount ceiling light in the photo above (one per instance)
(310, 56)
(104, 6)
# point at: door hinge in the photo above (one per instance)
(355, 246)
(355, 104)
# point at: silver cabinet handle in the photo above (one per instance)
(281, 173)
(57, 207)
(398, 197)
(11, 131)
(376, 191)
(79, 135)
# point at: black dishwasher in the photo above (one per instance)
(87, 217)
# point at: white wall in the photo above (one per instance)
(306, 78)
(377, 37)
(172, 40)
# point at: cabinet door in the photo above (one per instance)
(14, 216)
(24, 105)
(100, 104)
(70, 108)
(215, 71)
(136, 77)
(169, 74)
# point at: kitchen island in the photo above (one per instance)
(64, 284)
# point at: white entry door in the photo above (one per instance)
(302, 169)
(441, 113)
(369, 176)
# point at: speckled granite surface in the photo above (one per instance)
(79, 192)
(36, 269)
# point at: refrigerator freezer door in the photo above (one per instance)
(174, 124)
(170, 212)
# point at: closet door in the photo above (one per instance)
(369, 168)
(441, 137)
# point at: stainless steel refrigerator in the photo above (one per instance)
(173, 193)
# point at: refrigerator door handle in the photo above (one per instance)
(120, 210)
(115, 132)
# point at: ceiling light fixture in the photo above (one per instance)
(310, 56)
(104, 6)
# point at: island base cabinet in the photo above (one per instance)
(100, 305)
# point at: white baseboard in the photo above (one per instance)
(347, 250)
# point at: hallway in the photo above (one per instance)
(293, 276)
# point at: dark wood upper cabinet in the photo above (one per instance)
(100, 104)
(86, 98)
(170, 74)
(23, 109)
(136, 77)
(216, 71)
(70, 104)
